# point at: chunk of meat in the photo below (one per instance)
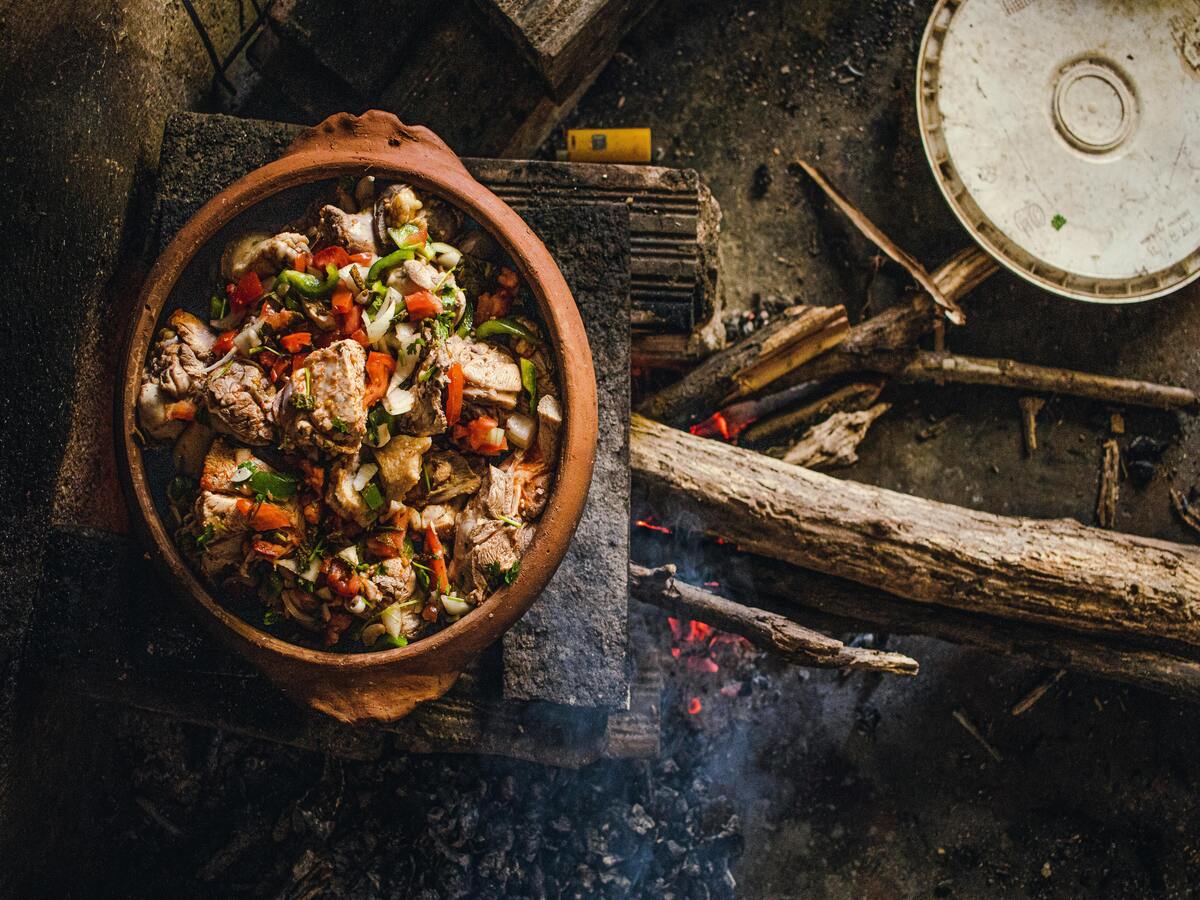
(221, 465)
(193, 332)
(449, 476)
(533, 469)
(492, 377)
(444, 520)
(175, 368)
(428, 413)
(396, 579)
(350, 230)
(484, 543)
(218, 517)
(341, 495)
(154, 412)
(263, 254)
(239, 398)
(396, 205)
(337, 421)
(399, 463)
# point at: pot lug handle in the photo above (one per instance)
(374, 133)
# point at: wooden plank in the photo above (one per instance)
(564, 38)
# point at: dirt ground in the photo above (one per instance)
(785, 783)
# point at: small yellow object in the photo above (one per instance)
(611, 145)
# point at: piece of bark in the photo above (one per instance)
(873, 233)
(1186, 512)
(838, 604)
(1110, 476)
(848, 398)
(808, 335)
(1030, 407)
(766, 630)
(835, 441)
(1056, 572)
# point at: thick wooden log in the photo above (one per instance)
(766, 630)
(836, 604)
(1056, 572)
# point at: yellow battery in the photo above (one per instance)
(611, 145)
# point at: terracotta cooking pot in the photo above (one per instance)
(386, 685)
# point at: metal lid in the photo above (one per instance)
(1066, 137)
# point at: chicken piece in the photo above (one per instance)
(194, 332)
(449, 475)
(261, 253)
(221, 465)
(485, 544)
(414, 274)
(444, 520)
(221, 531)
(336, 421)
(399, 463)
(396, 580)
(155, 412)
(340, 492)
(428, 414)
(397, 205)
(533, 469)
(239, 397)
(176, 369)
(350, 230)
(492, 377)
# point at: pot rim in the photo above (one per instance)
(556, 305)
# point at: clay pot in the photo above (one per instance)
(386, 685)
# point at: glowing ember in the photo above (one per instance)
(650, 524)
(694, 706)
(714, 426)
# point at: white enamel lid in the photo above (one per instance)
(1065, 135)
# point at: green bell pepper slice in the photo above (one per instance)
(310, 286)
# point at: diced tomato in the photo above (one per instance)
(363, 259)
(361, 337)
(422, 305)
(224, 343)
(264, 516)
(336, 255)
(380, 367)
(386, 544)
(268, 549)
(298, 362)
(294, 342)
(342, 579)
(341, 301)
(248, 289)
(418, 237)
(478, 429)
(279, 321)
(480, 434)
(303, 261)
(182, 411)
(454, 394)
(280, 367)
(349, 321)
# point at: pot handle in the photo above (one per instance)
(374, 134)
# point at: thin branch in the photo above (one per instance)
(766, 630)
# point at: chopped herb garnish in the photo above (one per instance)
(510, 521)
(529, 383)
(1058, 221)
(428, 373)
(389, 641)
(218, 307)
(270, 617)
(273, 485)
(339, 425)
(497, 574)
(303, 401)
(205, 536)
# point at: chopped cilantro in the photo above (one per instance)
(205, 536)
(270, 617)
(508, 576)
(510, 521)
(218, 306)
(339, 425)
(1058, 221)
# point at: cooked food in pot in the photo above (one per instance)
(365, 431)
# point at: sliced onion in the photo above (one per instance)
(378, 327)
(406, 333)
(289, 564)
(455, 607)
(392, 620)
(357, 606)
(349, 554)
(398, 401)
(364, 475)
(494, 437)
(240, 474)
(247, 339)
(448, 257)
(383, 434)
(220, 362)
(313, 570)
(520, 430)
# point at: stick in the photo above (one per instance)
(1030, 407)
(886, 244)
(1026, 703)
(1057, 572)
(1110, 473)
(767, 631)
(807, 336)
(961, 717)
(835, 441)
(848, 398)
